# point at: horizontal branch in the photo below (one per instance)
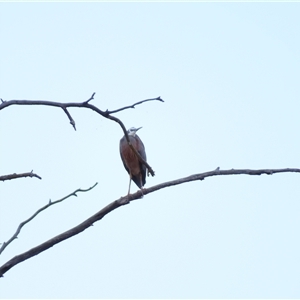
(86, 104)
(50, 203)
(14, 176)
(219, 172)
(125, 200)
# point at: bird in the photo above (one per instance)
(135, 169)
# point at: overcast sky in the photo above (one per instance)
(229, 75)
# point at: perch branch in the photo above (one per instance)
(14, 176)
(125, 200)
(50, 203)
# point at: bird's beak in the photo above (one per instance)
(138, 129)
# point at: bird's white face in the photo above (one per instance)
(132, 131)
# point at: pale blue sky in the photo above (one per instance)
(229, 75)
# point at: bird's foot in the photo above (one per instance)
(143, 192)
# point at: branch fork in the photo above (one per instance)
(86, 104)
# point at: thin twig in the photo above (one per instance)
(133, 105)
(14, 176)
(125, 200)
(50, 203)
(72, 122)
(91, 98)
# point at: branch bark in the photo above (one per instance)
(125, 200)
(14, 176)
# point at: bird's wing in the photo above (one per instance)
(141, 150)
(123, 144)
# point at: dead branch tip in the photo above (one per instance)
(91, 98)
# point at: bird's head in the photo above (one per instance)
(132, 131)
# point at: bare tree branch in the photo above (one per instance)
(218, 172)
(72, 122)
(86, 104)
(133, 105)
(91, 98)
(14, 176)
(50, 203)
(125, 200)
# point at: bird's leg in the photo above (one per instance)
(142, 186)
(129, 184)
(142, 192)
